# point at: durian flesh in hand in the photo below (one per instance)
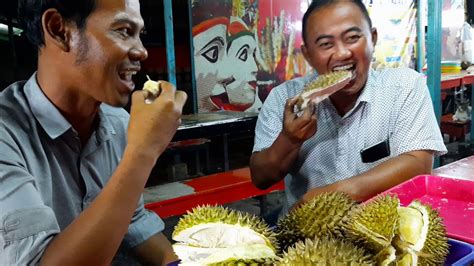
(322, 87)
(421, 236)
(212, 234)
(153, 89)
(322, 216)
(325, 251)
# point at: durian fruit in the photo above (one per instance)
(322, 87)
(373, 226)
(214, 234)
(322, 216)
(153, 88)
(421, 236)
(325, 251)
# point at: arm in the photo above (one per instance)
(380, 178)
(157, 250)
(272, 164)
(94, 236)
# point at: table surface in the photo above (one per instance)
(214, 118)
(462, 169)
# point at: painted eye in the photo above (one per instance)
(243, 55)
(211, 54)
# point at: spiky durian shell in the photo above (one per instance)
(220, 214)
(373, 224)
(325, 251)
(322, 216)
(436, 247)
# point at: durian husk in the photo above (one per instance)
(322, 216)
(320, 83)
(373, 225)
(218, 214)
(325, 251)
(427, 245)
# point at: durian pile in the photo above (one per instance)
(329, 230)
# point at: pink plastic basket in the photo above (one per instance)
(454, 198)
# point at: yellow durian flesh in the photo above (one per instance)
(410, 224)
(153, 88)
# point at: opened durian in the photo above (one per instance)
(421, 236)
(322, 216)
(214, 234)
(322, 87)
(373, 225)
(325, 251)
(153, 88)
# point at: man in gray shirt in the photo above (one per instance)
(73, 164)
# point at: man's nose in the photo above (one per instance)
(342, 52)
(138, 52)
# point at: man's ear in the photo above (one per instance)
(306, 55)
(374, 33)
(55, 29)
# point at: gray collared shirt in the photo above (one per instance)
(47, 178)
(395, 105)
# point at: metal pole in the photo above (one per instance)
(420, 53)
(191, 50)
(170, 55)
(433, 48)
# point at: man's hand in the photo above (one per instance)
(152, 126)
(296, 128)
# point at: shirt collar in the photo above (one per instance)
(52, 121)
(49, 117)
(368, 94)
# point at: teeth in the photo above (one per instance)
(340, 68)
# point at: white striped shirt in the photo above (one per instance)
(395, 104)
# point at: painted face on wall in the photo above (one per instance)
(210, 42)
(241, 54)
(338, 37)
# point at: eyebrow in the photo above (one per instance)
(324, 36)
(216, 39)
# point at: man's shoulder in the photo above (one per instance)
(396, 75)
(13, 105)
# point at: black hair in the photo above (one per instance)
(31, 11)
(317, 4)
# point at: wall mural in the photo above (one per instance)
(243, 49)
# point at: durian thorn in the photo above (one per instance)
(378, 238)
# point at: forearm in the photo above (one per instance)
(157, 250)
(382, 177)
(273, 164)
(95, 235)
